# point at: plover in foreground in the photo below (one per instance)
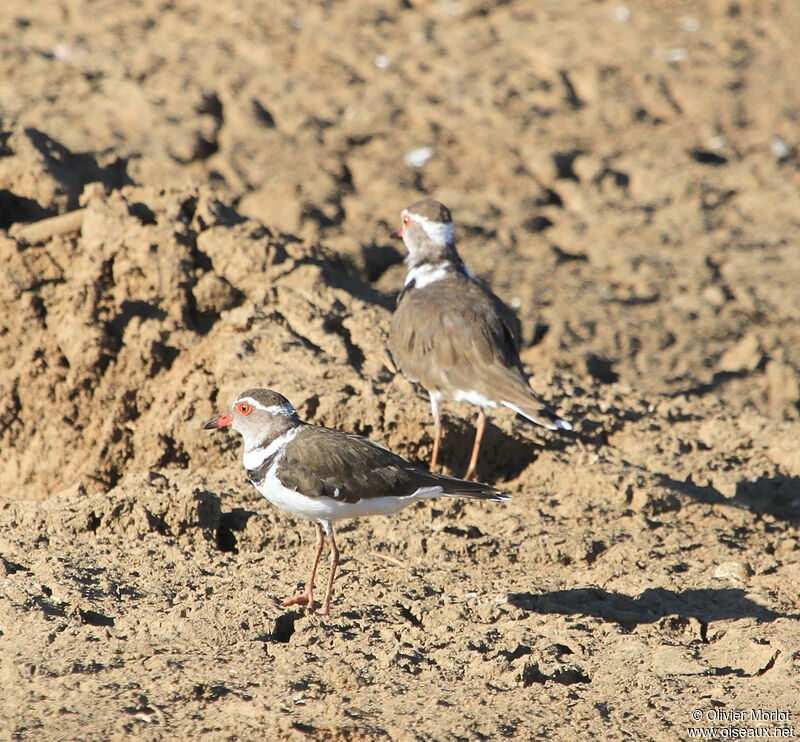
(326, 475)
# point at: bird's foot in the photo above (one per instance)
(324, 609)
(306, 598)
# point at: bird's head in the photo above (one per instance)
(428, 233)
(258, 415)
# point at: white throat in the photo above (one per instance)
(254, 457)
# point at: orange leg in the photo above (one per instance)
(437, 432)
(326, 605)
(307, 597)
(480, 426)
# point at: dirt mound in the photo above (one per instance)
(119, 337)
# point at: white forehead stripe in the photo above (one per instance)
(443, 233)
(276, 409)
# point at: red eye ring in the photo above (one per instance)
(406, 219)
(243, 408)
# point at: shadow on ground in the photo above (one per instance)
(777, 496)
(704, 604)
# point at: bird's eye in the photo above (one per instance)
(406, 219)
(243, 408)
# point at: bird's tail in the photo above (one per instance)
(518, 396)
(452, 487)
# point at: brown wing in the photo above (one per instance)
(456, 335)
(321, 462)
(456, 325)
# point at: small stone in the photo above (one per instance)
(678, 54)
(213, 293)
(733, 571)
(418, 156)
(669, 660)
(783, 386)
(689, 23)
(746, 355)
(63, 52)
(622, 13)
(780, 149)
(714, 296)
(92, 192)
(682, 627)
(240, 318)
(737, 651)
(451, 8)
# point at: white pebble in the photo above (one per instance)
(453, 9)
(622, 13)
(690, 24)
(678, 54)
(717, 142)
(780, 149)
(382, 62)
(63, 52)
(418, 156)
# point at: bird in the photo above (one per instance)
(453, 336)
(325, 475)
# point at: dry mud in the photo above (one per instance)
(625, 177)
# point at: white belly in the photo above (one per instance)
(326, 509)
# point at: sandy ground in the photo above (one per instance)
(625, 176)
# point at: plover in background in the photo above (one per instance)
(451, 334)
(326, 475)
